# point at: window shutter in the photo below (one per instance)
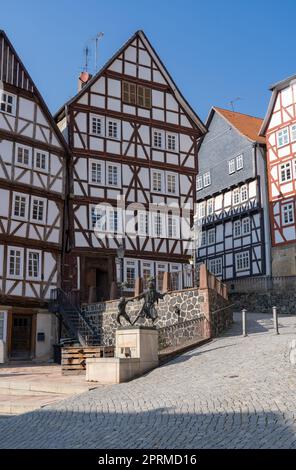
(147, 97)
(132, 93)
(141, 98)
(125, 92)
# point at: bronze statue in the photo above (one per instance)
(122, 310)
(151, 297)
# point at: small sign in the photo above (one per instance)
(40, 336)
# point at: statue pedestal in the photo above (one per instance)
(136, 352)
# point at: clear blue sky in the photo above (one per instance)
(215, 50)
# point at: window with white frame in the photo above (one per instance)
(38, 209)
(293, 132)
(207, 179)
(158, 224)
(173, 226)
(158, 139)
(160, 270)
(130, 274)
(112, 175)
(244, 193)
(41, 160)
(246, 226)
(283, 137)
(15, 262)
(215, 266)
(203, 238)
(147, 272)
(286, 172)
(288, 213)
(236, 196)
(97, 125)
(211, 236)
(96, 173)
(239, 162)
(175, 271)
(231, 166)
(33, 268)
(98, 217)
(171, 183)
(210, 206)
(20, 206)
(7, 103)
(201, 210)
(237, 228)
(199, 183)
(242, 261)
(3, 317)
(143, 223)
(113, 129)
(23, 155)
(157, 181)
(113, 224)
(171, 142)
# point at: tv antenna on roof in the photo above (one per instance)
(233, 101)
(86, 54)
(97, 37)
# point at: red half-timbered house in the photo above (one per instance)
(133, 138)
(279, 127)
(32, 188)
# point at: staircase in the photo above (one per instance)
(79, 328)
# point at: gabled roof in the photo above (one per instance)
(13, 72)
(176, 92)
(275, 89)
(248, 126)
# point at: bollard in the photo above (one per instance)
(275, 320)
(244, 322)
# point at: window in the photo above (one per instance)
(38, 210)
(285, 172)
(41, 160)
(97, 125)
(147, 273)
(210, 207)
(113, 220)
(15, 262)
(199, 184)
(23, 155)
(288, 213)
(113, 129)
(96, 172)
(283, 137)
(239, 162)
(98, 218)
(130, 274)
(173, 226)
(203, 239)
(236, 196)
(215, 266)
(143, 223)
(20, 206)
(231, 166)
(207, 179)
(211, 236)
(246, 226)
(158, 225)
(201, 210)
(3, 319)
(171, 183)
(7, 103)
(244, 193)
(237, 228)
(156, 181)
(129, 93)
(33, 265)
(171, 142)
(242, 261)
(157, 139)
(161, 269)
(144, 99)
(113, 175)
(293, 132)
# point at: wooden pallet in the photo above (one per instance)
(74, 358)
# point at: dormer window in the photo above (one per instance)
(7, 103)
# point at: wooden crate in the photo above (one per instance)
(74, 358)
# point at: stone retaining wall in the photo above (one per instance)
(259, 302)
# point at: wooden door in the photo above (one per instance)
(21, 336)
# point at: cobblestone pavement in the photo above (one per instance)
(234, 392)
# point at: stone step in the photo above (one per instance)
(24, 404)
(168, 354)
(42, 385)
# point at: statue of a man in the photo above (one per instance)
(122, 310)
(151, 297)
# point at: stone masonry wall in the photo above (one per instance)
(260, 302)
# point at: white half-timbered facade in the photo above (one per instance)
(279, 128)
(232, 207)
(32, 189)
(133, 140)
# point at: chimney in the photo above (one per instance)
(83, 79)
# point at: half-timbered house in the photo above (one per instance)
(32, 188)
(279, 128)
(232, 206)
(133, 139)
